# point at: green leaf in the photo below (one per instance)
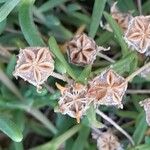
(10, 129)
(11, 66)
(98, 9)
(83, 78)
(118, 33)
(56, 51)
(80, 142)
(50, 4)
(7, 8)
(55, 143)
(91, 115)
(141, 127)
(141, 147)
(2, 26)
(28, 27)
(122, 66)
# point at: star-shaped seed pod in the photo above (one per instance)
(82, 50)
(106, 141)
(138, 33)
(107, 89)
(73, 101)
(146, 105)
(35, 65)
(121, 18)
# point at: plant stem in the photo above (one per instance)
(58, 76)
(139, 6)
(129, 78)
(132, 91)
(105, 57)
(115, 125)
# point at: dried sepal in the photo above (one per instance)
(106, 141)
(121, 18)
(146, 105)
(73, 101)
(138, 33)
(34, 64)
(108, 88)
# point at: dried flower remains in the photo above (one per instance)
(108, 88)
(82, 50)
(146, 105)
(107, 141)
(73, 101)
(138, 33)
(35, 65)
(121, 18)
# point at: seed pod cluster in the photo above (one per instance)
(106, 89)
(34, 64)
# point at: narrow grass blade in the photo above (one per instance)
(9, 84)
(98, 9)
(56, 51)
(55, 143)
(28, 27)
(80, 142)
(118, 33)
(83, 78)
(10, 129)
(50, 4)
(141, 127)
(7, 8)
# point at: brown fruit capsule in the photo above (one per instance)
(34, 64)
(146, 105)
(82, 50)
(107, 141)
(73, 101)
(108, 88)
(122, 19)
(138, 33)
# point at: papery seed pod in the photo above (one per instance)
(82, 50)
(138, 33)
(108, 88)
(73, 101)
(146, 105)
(35, 65)
(121, 18)
(106, 141)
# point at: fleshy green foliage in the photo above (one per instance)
(27, 118)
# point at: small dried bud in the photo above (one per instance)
(73, 101)
(34, 64)
(122, 19)
(108, 88)
(138, 33)
(82, 50)
(107, 141)
(146, 105)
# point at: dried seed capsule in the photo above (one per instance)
(107, 141)
(146, 105)
(82, 50)
(34, 64)
(108, 88)
(138, 33)
(73, 101)
(122, 19)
